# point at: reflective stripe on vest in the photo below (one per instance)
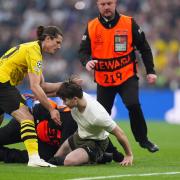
(114, 51)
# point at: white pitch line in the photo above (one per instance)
(126, 175)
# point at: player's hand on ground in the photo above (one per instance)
(55, 116)
(127, 161)
(91, 64)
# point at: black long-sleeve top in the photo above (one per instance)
(139, 42)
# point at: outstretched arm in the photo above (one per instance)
(123, 140)
(49, 88)
(35, 85)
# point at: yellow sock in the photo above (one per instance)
(29, 137)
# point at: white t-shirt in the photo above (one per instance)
(94, 122)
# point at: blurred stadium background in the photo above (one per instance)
(160, 19)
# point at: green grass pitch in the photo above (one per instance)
(164, 164)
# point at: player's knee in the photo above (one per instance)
(69, 161)
(22, 114)
(74, 160)
(27, 116)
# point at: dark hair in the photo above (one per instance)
(69, 90)
(51, 31)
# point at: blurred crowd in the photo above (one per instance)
(160, 20)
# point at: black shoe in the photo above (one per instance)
(118, 156)
(107, 157)
(149, 146)
(58, 161)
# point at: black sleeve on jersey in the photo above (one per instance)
(40, 113)
(85, 49)
(141, 44)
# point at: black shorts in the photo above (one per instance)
(10, 98)
(94, 148)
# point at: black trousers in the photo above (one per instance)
(10, 134)
(129, 92)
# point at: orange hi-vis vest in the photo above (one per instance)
(62, 108)
(47, 134)
(114, 51)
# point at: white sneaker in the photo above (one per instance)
(35, 161)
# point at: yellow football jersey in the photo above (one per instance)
(19, 60)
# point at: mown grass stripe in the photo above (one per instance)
(126, 175)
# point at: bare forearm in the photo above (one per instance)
(125, 144)
(35, 83)
(41, 96)
(123, 140)
(50, 87)
(51, 94)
